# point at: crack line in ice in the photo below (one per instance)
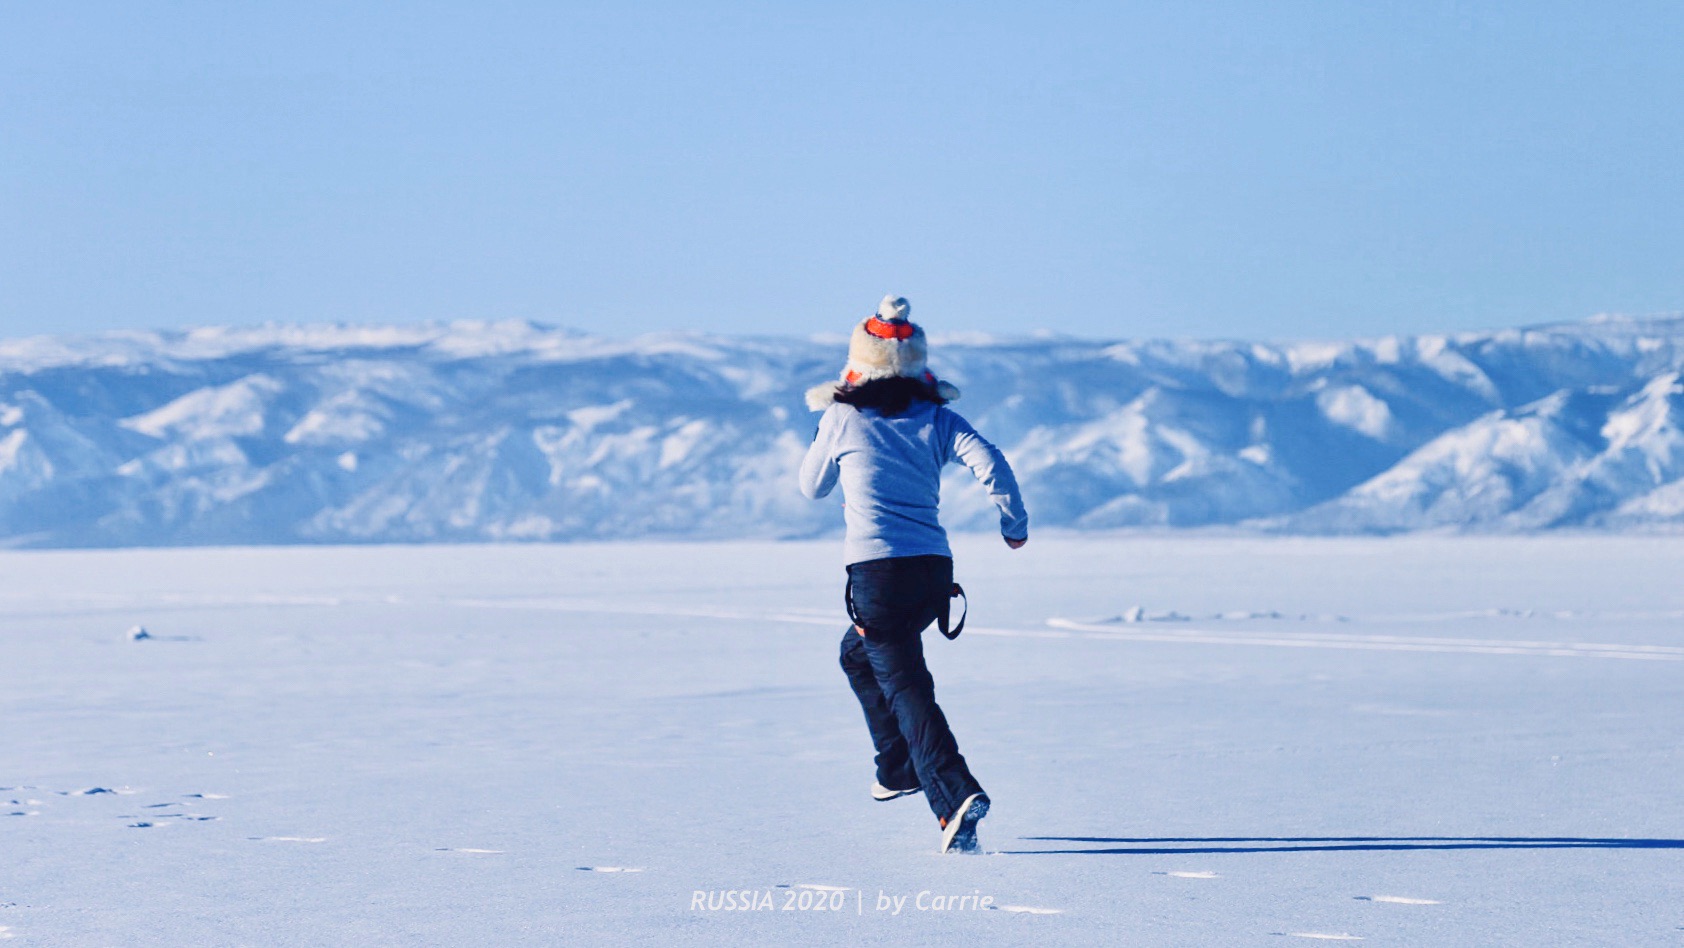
(1366, 637)
(1065, 628)
(1379, 643)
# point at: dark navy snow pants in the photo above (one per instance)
(895, 600)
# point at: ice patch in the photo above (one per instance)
(1189, 875)
(1397, 900)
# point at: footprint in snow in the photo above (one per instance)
(138, 633)
(148, 818)
(184, 817)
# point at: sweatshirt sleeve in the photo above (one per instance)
(819, 469)
(991, 469)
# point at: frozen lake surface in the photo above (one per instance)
(1423, 741)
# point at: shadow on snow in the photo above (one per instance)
(1300, 844)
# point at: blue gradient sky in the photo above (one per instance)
(1166, 169)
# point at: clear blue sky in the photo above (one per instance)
(1178, 169)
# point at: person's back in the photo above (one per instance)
(889, 466)
(885, 435)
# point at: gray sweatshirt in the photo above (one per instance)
(890, 469)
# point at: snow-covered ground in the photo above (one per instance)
(1421, 741)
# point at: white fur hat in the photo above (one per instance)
(885, 345)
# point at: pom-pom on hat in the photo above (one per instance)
(885, 345)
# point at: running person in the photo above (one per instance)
(885, 435)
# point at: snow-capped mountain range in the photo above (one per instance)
(513, 431)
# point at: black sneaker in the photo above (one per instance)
(880, 792)
(958, 832)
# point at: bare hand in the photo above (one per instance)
(1015, 544)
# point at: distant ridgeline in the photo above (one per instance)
(510, 431)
